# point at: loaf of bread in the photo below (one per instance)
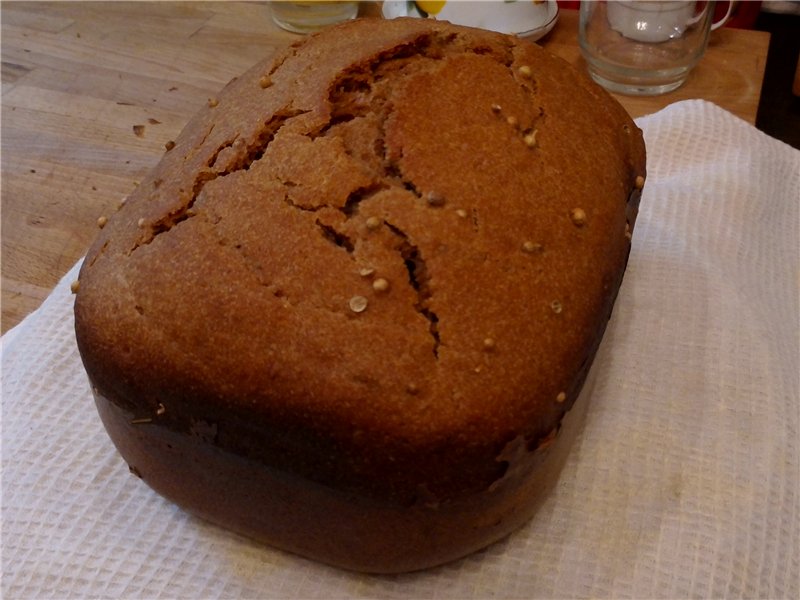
(348, 311)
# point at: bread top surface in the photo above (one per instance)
(373, 260)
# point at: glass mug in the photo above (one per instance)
(307, 17)
(645, 47)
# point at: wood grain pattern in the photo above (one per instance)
(77, 77)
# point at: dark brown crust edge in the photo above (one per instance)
(339, 529)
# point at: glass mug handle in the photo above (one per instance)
(717, 24)
(731, 8)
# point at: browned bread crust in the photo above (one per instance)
(370, 267)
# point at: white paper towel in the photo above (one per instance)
(684, 482)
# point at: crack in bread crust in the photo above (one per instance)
(418, 278)
(360, 91)
(240, 158)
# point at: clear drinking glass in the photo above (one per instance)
(644, 47)
(307, 17)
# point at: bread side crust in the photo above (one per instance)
(339, 528)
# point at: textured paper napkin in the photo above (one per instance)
(683, 483)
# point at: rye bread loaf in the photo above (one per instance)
(349, 309)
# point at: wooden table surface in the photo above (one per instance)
(91, 92)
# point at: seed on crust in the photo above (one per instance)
(212, 102)
(628, 234)
(74, 286)
(578, 216)
(101, 221)
(461, 213)
(488, 343)
(140, 223)
(562, 396)
(435, 199)
(366, 271)
(531, 247)
(358, 304)
(556, 306)
(160, 409)
(380, 285)
(512, 121)
(530, 139)
(412, 389)
(373, 223)
(265, 82)
(496, 109)
(525, 71)
(639, 183)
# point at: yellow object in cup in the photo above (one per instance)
(431, 7)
